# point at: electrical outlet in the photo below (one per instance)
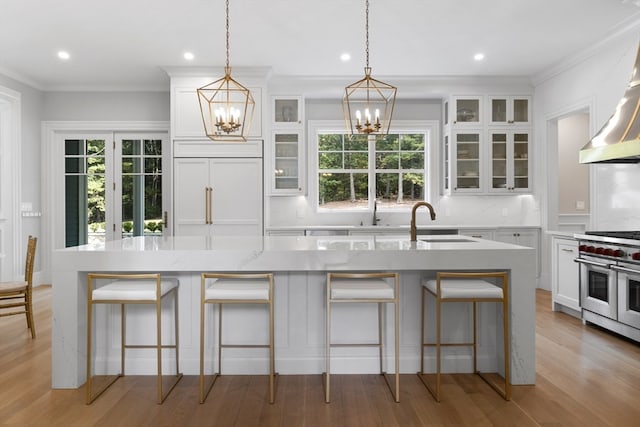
(580, 205)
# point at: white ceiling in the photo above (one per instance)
(124, 44)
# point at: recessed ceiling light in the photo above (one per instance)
(188, 56)
(63, 54)
(345, 57)
(478, 56)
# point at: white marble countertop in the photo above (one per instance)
(396, 227)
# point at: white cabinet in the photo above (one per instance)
(467, 110)
(487, 148)
(523, 237)
(466, 161)
(510, 161)
(509, 110)
(287, 145)
(565, 274)
(287, 162)
(186, 118)
(218, 196)
(478, 233)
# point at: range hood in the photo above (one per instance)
(619, 140)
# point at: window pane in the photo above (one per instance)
(130, 165)
(153, 147)
(356, 143)
(152, 165)
(330, 142)
(73, 165)
(412, 142)
(387, 186)
(95, 165)
(356, 160)
(412, 187)
(412, 160)
(73, 147)
(343, 190)
(389, 142)
(130, 147)
(95, 147)
(387, 160)
(330, 160)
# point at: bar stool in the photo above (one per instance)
(466, 287)
(132, 289)
(364, 288)
(227, 288)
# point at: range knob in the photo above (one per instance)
(636, 256)
(582, 248)
(590, 249)
(618, 253)
(599, 250)
(608, 252)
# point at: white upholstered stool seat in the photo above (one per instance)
(377, 288)
(238, 289)
(235, 288)
(460, 288)
(474, 287)
(122, 289)
(132, 290)
(361, 289)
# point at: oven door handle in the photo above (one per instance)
(588, 262)
(625, 270)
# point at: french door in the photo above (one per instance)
(113, 186)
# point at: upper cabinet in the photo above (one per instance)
(286, 112)
(467, 111)
(487, 144)
(187, 126)
(287, 145)
(509, 110)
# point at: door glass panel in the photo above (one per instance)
(286, 161)
(520, 110)
(499, 110)
(141, 187)
(85, 206)
(598, 286)
(521, 160)
(499, 160)
(634, 295)
(468, 110)
(468, 160)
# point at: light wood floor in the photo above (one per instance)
(585, 377)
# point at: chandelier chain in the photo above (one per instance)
(366, 26)
(227, 23)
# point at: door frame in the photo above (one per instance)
(11, 184)
(52, 150)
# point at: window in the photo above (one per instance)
(349, 172)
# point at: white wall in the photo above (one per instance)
(573, 177)
(598, 80)
(106, 106)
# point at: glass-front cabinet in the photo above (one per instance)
(287, 161)
(467, 111)
(466, 169)
(286, 111)
(509, 110)
(287, 145)
(509, 157)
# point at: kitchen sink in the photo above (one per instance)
(447, 240)
(435, 231)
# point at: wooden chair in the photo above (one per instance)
(235, 288)
(123, 289)
(18, 294)
(471, 287)
(367, 288)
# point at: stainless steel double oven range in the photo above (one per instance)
(610, 280)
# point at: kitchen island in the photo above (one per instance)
(300, 264)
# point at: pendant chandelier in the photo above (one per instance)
(226, 106)
(368, 103)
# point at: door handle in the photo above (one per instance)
(206, 205)
(210, 205)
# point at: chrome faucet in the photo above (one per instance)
(413, 217)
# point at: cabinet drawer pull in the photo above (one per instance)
(567, 250)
